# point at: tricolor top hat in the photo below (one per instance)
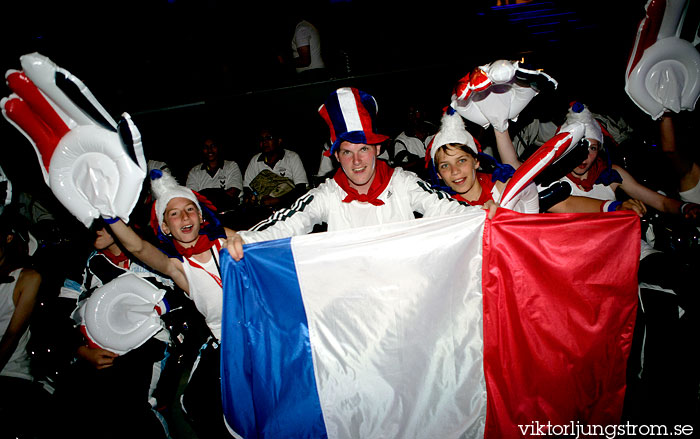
(350, 114)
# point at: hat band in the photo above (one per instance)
(360, 137)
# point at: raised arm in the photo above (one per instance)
(687, 171)
(505, 148)
(149, 254)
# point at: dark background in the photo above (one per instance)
(185, 67)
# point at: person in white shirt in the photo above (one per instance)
(282, 162)
(306, 52)
(410, 145)
(19, 289)
(215, 178)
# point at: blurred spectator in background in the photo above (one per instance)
(217, 179)
(408, 148)
(275, 176)
(326, 167)
(19, 287)
(304, 54)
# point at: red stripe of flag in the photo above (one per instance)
(551, 354)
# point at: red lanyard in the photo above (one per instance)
(216, 278)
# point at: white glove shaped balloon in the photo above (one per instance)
(663, 70)
(93, 166)
(5, 191)
(495, 93)
(122, 314)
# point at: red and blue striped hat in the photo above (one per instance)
(350, 114)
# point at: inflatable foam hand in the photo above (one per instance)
(93, 165)
(5, 191)
(663, 70)
(496, 93)
(546, 155)
(562, 166)
(122, 314)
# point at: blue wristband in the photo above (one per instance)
(110, 220)
(612, 207)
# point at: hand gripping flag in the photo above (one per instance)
(93, 165)
(450, 327)
(663, 69)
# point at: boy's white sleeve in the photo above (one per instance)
(432, 202)
(307, 211)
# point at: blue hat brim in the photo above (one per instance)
(358, 137)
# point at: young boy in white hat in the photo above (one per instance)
(364, 191)
(453, 160)
(191, 237)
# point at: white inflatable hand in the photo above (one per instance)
(663, 70)
(495, 93)
(5, 191)
(120, 315)
(93, 165)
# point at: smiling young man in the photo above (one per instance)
(364, 191)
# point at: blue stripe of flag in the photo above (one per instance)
(267, 376)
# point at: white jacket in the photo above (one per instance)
(405, 194)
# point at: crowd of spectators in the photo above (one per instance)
(655, 181)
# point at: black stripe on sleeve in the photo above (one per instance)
(284, 214)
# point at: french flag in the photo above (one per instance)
(450, 327)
